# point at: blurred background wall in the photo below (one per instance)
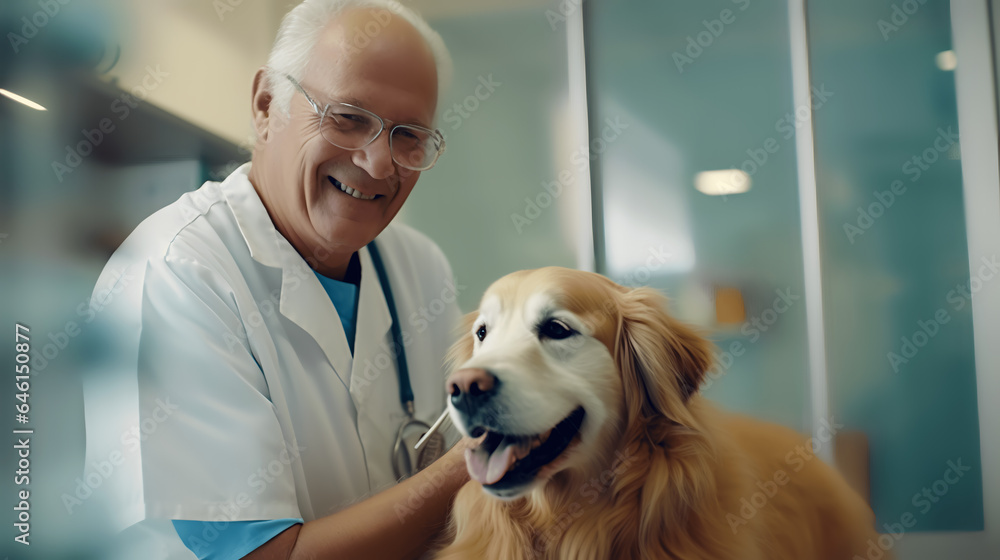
(841, 258)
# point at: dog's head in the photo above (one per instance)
(558, 366)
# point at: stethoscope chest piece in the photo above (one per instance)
(406, 460)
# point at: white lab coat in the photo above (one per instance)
(228, 391)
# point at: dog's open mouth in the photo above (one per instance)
(505, 461)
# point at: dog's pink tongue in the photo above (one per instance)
(488, 468)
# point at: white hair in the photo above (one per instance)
(300, 30)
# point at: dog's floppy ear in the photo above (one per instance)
(461, 350)
(662, 360)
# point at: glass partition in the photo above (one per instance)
(896, 270)
(707, 86)
(697, 87)
(504, 196)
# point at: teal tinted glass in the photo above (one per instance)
(896, 267)
(684, 88)
(679, 88)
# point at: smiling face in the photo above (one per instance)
(302, 179)
(541, 382)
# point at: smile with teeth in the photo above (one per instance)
(353, 192)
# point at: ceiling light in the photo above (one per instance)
(23, 100)
(722, 182)
(946, 60)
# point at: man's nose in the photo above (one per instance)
(471, 388)
(376, 158)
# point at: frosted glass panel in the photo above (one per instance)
(896, 268)
(507, 128)
(706, 86)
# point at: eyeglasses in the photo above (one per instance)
(352, 128)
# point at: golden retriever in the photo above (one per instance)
(596, 443)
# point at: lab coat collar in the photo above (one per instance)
(252, 217)
(303, 299)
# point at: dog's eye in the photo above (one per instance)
(481, 333)
(556, 330)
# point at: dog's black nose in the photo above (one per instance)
(471, 388)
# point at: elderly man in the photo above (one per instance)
(273, 334)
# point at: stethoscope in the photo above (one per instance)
(410, 430)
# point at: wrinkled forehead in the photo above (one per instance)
(533, 296)
(379, 61)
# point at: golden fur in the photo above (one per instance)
(673, 476)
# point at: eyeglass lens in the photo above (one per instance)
(352, 129)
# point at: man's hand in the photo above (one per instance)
(389, 525)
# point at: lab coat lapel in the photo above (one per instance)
(374, 386)
(372, 358)
(303, 299)
(251, 217)
(306, 303)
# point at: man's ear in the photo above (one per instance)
(261, 104)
